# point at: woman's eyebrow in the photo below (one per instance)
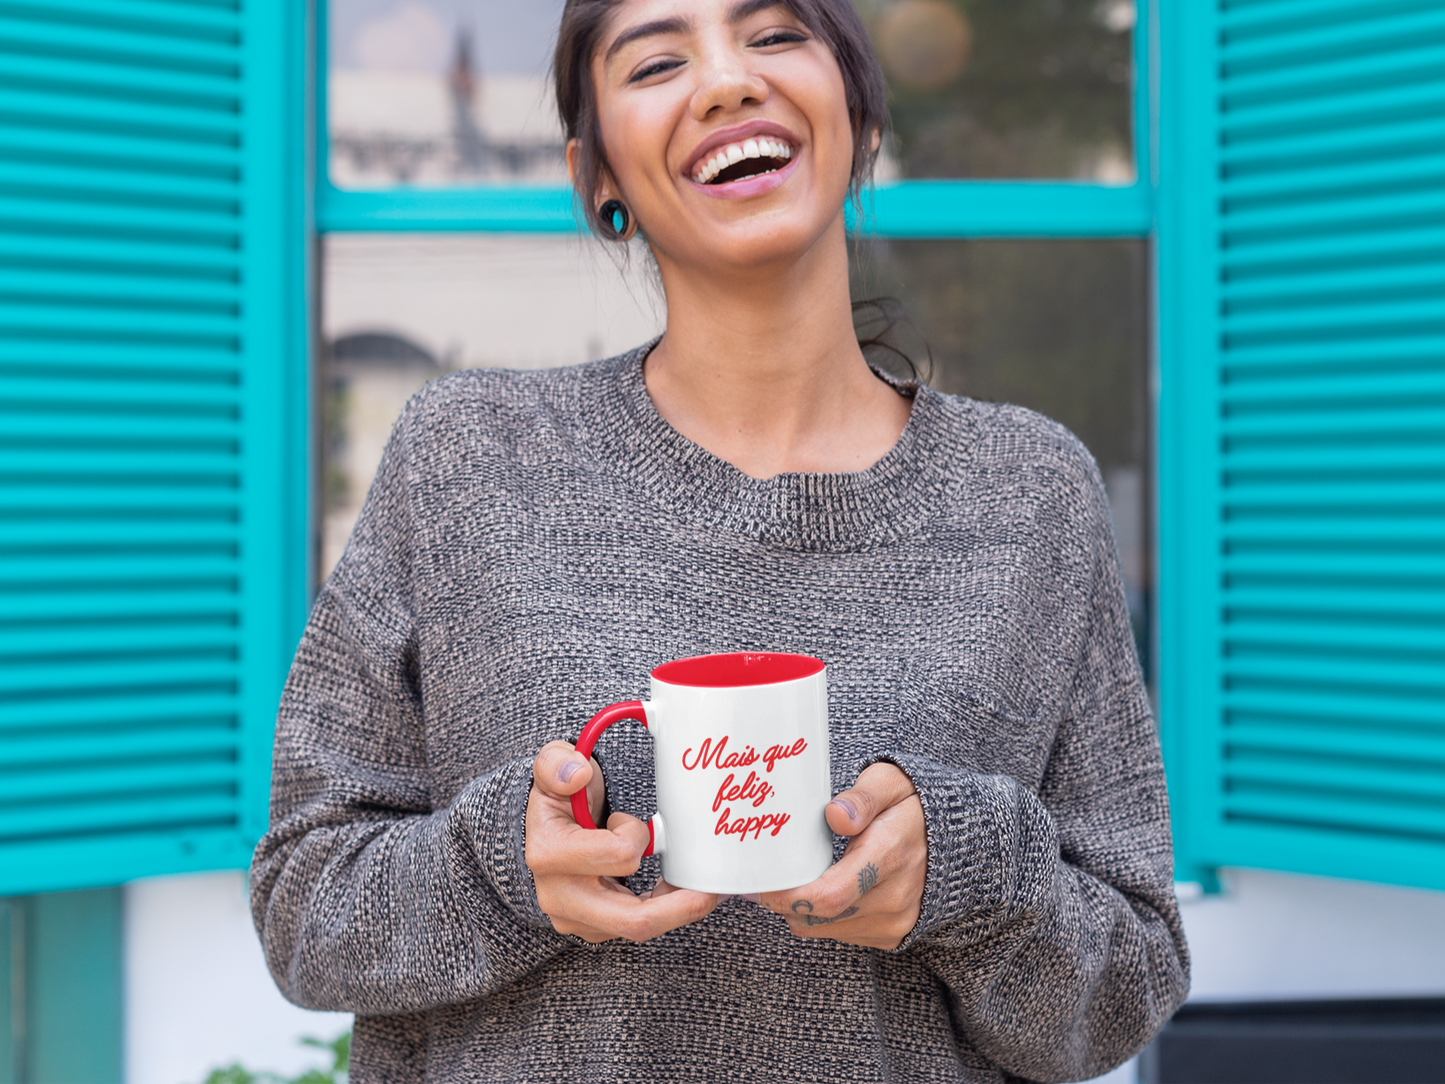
(676, 25)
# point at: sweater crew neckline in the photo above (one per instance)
(884, 503)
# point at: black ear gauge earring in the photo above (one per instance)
(609, 213)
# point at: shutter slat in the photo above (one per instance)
(1369, 816)
(1356, 211)
(1304, 46)
(18, 539)
(212, 770)
(1416, 317)
(1344, 180)
(1323, 704)
(211, 298)
(1338, 424)
(70, 185)
(199, 96)
(1346, 251)
(1346, 76)
(114, 47)
(216, 807)
(195, 742)
(1411, 642)
(177, 225)
(1366, 740)
(1424, 680)
(214, 22)
(115, 605)
(19, 646)
(1314, 155)
(1422, 784)
(102, 150)
(163, 124)
(1277, 567)
(121, 568)
(145, 260)
(1374, 115)
(135, 713)
(1241, 21)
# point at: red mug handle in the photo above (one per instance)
(587, 741)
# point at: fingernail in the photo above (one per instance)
(568, 770)
(752, 897)
(843, 804)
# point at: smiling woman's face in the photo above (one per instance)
(726, 127)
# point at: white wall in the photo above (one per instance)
(198, 994)
(1275, 935)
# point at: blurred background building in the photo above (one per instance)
(1205, 236)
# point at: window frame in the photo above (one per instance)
(915, 209)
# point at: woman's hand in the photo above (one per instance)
(872, 895)
(577, 869)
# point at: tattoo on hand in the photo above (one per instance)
(802, 907)
(815, 920)
(867, 878)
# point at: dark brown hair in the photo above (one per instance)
(834, 22)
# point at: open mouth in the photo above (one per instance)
(743, 161)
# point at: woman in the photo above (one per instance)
(535, 542)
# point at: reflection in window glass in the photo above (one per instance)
(449, 92)
(1006, 88)
(1060, 327)
(400, 310)
(442, 92)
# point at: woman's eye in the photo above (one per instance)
(780, 37)
(656, 67)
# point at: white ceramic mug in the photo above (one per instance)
(741, 747)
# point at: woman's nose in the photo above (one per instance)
(727, 83)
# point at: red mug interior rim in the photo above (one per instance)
(738, 668)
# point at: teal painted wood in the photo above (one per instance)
(1302, 550)
(74, 1019)
(153, 410)
(11, 1022)
(907, 209)
(61, 1018)
(963, 209)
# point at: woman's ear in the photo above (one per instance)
(574, 150)
(874, 143)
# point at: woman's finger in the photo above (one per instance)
(558, 846)
(836, 895)
(621, 914)
(561, 771)
(880, 786)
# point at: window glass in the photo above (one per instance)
(455, 92)
(1060, 327)
(442, 92)
(400, 310)
(1006, 88)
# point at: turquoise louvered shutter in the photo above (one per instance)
(151, 398)
(1302, 434)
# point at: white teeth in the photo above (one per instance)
(736, 152)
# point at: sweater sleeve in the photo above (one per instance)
(367, 898)
(1049, 915)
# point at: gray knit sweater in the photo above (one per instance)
(534, 543)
